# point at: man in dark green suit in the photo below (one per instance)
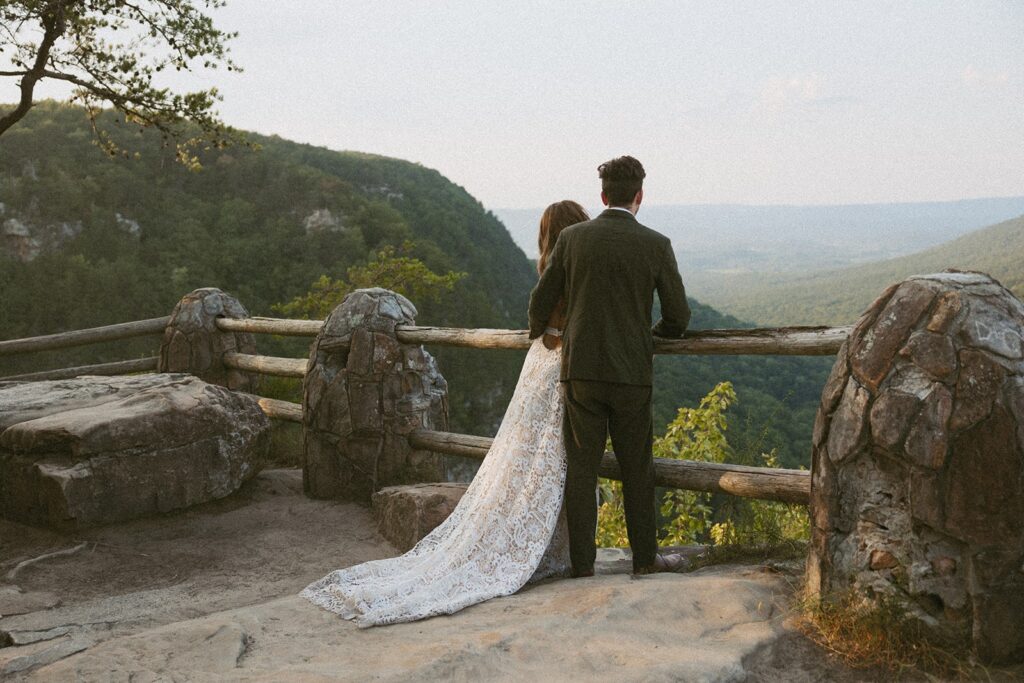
(606, 270)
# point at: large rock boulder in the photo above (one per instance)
(405, 514)
(94, 450)
(918, 460)
(363, 394)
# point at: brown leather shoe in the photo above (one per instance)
(664, 563)
(583, 574)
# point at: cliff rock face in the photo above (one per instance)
(94, 450)
(24, 241)
(918, 460)
(18, 241)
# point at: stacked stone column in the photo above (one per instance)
(918, 460)
(194, 344)
(363, 394)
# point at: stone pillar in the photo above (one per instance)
(193, 344)
(363, 393)
(917, 467)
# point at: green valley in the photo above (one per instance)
(837, 297)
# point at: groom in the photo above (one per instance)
(607, 270)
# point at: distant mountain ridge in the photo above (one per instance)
(838, 296)
(730, 238)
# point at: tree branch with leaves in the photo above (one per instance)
(112, 52)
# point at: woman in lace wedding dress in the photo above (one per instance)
(507, 529)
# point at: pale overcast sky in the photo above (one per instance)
(754, 102)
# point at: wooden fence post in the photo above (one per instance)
(364, 393)
(193, 344)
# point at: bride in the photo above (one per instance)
(508, 529)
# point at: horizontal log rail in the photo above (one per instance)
(280, 410)
(766, 483)
(785, 341)
(121, 367)
(789, 341)
(266, 365)
(280, 326)
(481, 338)
(806, 341)
(63, 340)
(767, 341)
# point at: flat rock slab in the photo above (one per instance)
(15, 660)
(24, 401)
(95, 450)
(405, 514)
(13, 601)
(668, 627)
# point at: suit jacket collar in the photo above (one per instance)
(616, 213)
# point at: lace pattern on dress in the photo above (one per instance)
(508, 528)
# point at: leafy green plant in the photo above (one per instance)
(611, 516)
(695, 434)
(690, 517)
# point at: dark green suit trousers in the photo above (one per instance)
(594, 410)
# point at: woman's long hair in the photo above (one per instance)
(557, 217)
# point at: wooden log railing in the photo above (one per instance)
(280, 410)
(284, 327)
(797, 341)
(266, 365)
(764, 483)
(787, 486)
(121, 367)
(802, 341)
(786, 341)
(93, 335)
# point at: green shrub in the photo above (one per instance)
(691, 517)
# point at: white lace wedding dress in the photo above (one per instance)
(506, 531)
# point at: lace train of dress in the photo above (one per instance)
(506, 531)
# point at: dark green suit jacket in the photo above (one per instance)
(608, 269)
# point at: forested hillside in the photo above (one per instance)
(88, 240)
(835, 297)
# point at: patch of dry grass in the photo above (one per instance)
(879, 637)
(881, 634)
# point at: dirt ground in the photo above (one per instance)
(265, 541)
(243, 559)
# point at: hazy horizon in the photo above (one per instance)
(774, 103)
(651, 204)
(735, 238)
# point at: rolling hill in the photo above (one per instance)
(833, 297)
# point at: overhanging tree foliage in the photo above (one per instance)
(112, 52)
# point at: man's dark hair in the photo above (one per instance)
(621, 179)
